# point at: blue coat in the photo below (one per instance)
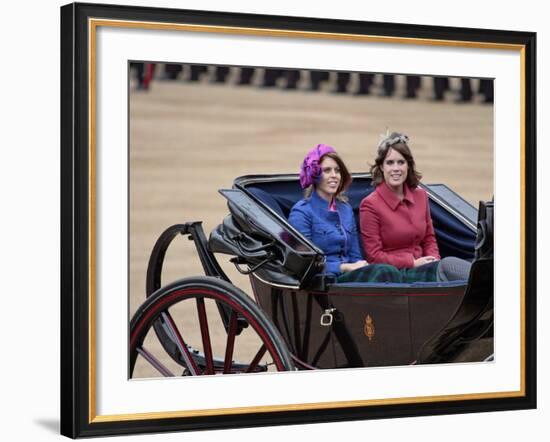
(334, 232)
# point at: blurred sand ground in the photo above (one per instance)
(187, 140)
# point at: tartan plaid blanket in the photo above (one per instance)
(389, 273)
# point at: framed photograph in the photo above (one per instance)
(274, 220)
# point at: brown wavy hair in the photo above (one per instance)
(345, 177)
(400, 143)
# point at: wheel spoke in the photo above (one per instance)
(182, 347)
(230, 345)
(160, 367)
(205, 337)
(256, 359)
(158, 313)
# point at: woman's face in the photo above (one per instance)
(395, 170)
(330, 178)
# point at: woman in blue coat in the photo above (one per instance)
(325, 218)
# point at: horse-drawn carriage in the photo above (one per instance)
(301, 317)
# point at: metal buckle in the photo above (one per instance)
(327, 318)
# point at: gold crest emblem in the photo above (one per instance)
(369, 327)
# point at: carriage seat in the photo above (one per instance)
(279, 204)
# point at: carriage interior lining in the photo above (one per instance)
(453, 237)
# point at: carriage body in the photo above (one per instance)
(358, 325)
(321, 322)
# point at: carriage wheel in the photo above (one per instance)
(187, 312)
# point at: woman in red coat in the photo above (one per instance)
(396, 225)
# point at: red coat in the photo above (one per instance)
(397, 232)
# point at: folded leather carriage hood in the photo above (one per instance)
(258, 239)
(229, 239)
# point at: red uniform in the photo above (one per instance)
(397, 232)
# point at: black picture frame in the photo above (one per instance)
(77, 404)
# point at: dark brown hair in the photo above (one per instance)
(400, 143)
(345, 177)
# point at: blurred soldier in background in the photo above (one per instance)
(172, 71)
(316, 78)
(440, 84)
(412, 86)
(220, 74)
(486, 89)
(245, 76)
(196, 71)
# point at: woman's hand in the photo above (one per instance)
(349, 266)
(424, 260)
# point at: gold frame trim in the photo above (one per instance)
(93, 24)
